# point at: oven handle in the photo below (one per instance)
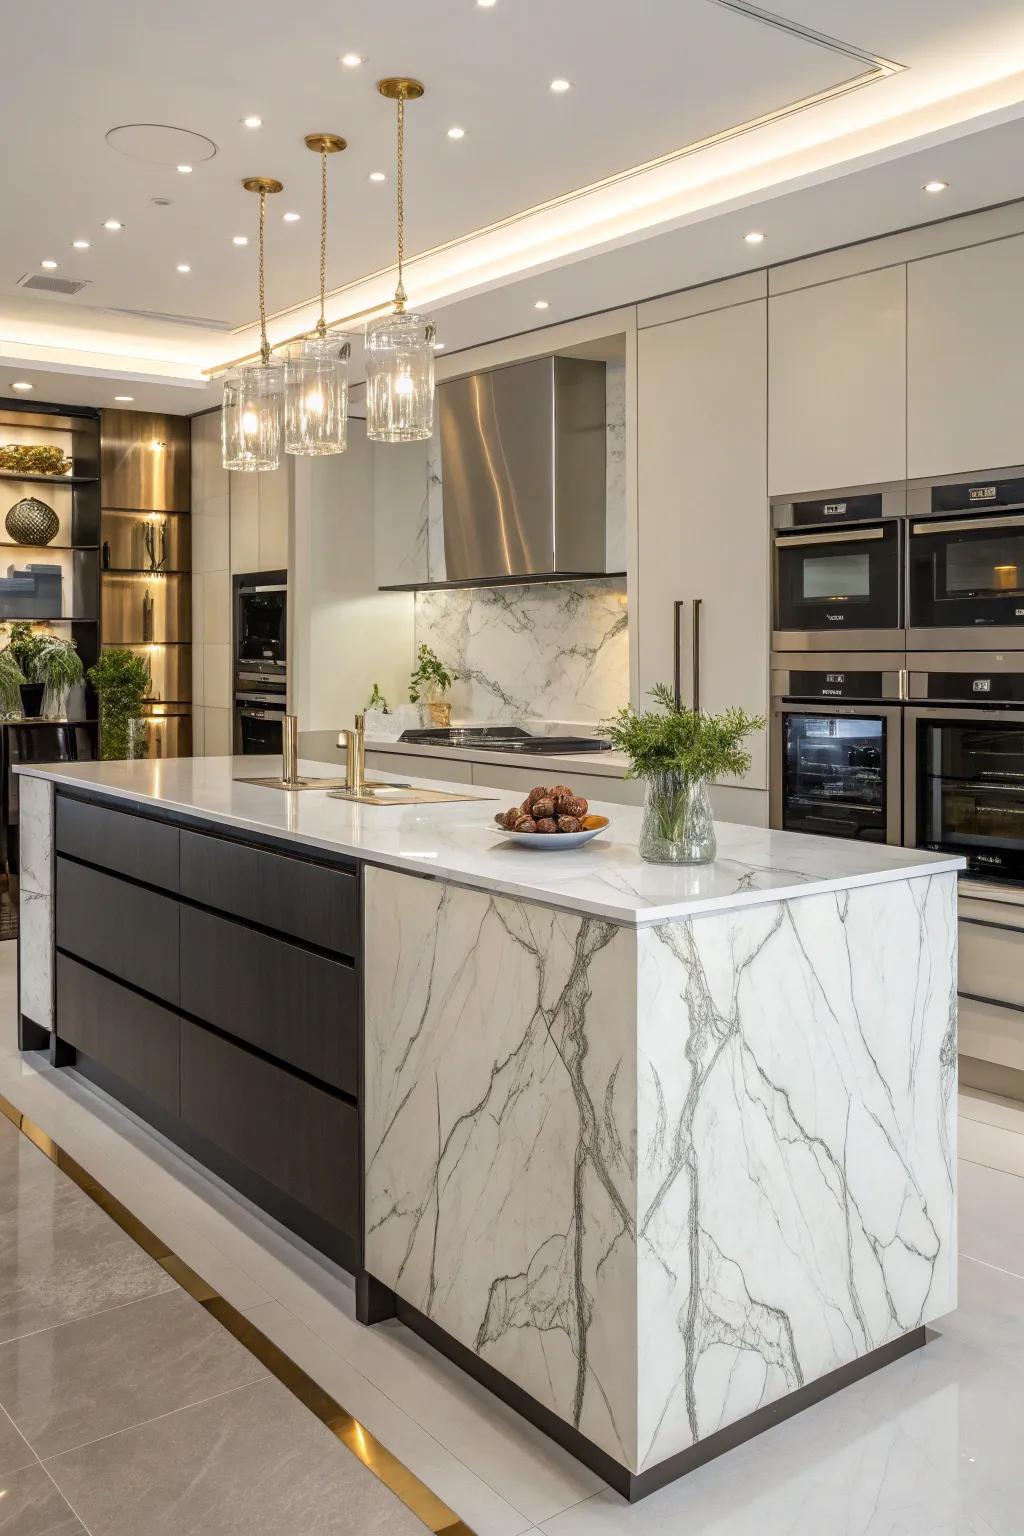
(248, 591)
(964, 524)
(696, 653)
(677, 660)
(835, 536)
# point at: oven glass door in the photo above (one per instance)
(262, 626)
(970, 791)
(834, 774)
(967, 571)
(259, 730)
(838, 580)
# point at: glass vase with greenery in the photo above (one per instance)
(678, 752)
(430, 681)
(122, 683)
(58, 667)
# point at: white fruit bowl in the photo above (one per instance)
(550, 842)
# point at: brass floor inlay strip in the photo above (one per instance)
(355, 1437)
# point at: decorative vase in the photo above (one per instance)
(678, 827)
(31, 521)
(55, 703)
(440, 712)
(32, 700)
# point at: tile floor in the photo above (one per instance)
(928, 1447)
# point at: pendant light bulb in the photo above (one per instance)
(316, 368)
(252, 397)
(400, 347)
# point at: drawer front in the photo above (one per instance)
(992, 962)
(131, 1036)
(406, 765)
(305, 900)
(300, 1139)
(128, 845)
(991, 1033)
(291, 1003)
(122, 928)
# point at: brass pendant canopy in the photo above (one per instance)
(251, 407)
(400, 347)
(316, 367)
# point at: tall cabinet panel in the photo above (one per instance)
(964, 344)
(838, 382)
(702, 510)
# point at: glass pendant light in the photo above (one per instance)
(400, 347)
(316, 368)
(252, 398)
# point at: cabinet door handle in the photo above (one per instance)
(696, 652)
(677, 645)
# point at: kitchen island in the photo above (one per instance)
(660, 1155)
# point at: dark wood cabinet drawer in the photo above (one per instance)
(128, 845)
(133, 1037)
(301, 1007)
(307, 901)
(120, 927)
(302, 1140)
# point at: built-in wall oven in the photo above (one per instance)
(964, 759)
(836, 745)
(838, 570)
(965, 563)
(261, 619)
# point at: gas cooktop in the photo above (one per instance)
(503, 738)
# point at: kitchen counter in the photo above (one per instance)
(610, 764)
(660, 1155)
(458, 842)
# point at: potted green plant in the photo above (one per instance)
(11, 680)
(58, 667)
(122, 683)
(24, 646)
(430, 681)
(678, 752)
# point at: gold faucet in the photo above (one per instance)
(355, 758)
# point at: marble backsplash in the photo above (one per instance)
(550, 651)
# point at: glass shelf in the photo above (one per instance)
(9, 474)
(140, 570)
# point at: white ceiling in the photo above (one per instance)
(648, 80)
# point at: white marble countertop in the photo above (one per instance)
(609, 764)
(459, 842)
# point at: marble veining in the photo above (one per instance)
(662, 1177)
(545, 651)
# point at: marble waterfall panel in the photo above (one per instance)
(500, 1095)
(35, 906)
(550, 651)
(795, 1146)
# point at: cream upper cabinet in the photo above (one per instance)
(702, 510)
(837, 383)
(964, 344)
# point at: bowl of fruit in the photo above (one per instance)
(551, 818)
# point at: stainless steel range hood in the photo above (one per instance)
(523, 473)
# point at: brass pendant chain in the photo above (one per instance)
(400, 293)
(264, 344)
(321, 325)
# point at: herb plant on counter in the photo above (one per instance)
(678, 751)
(431, 678)
(122, 683)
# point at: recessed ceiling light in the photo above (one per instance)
(49, 265)
(239, 239)
(352, 60)
(183, 266)
(291, 218)
(438, 346)
(185, 170)
(80, 245)
(113, 224)
(377, 176)
(252, 122)
(754, 236)
(456, 133)
(21, 384)
(935, 186)
(558, 86)
(486, 5)
(542, 304)
(124, 399)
